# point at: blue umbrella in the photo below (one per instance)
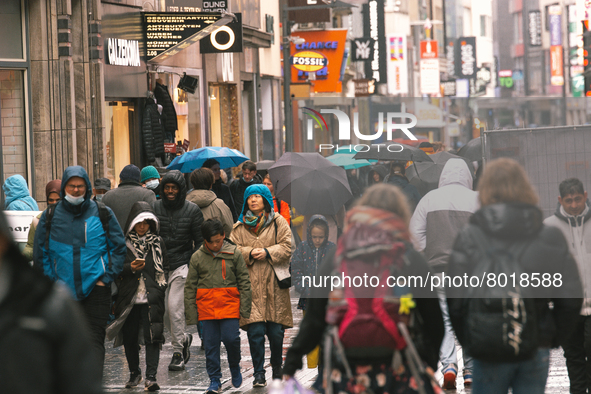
(194, 159)
(347, 161)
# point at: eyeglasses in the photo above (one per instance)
(76, 187)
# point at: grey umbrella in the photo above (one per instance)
(427, 178)
(443, 157)
(398, 152)
(472, 150)
(310, 183)
(264, 164)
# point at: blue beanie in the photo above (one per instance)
(129, 173)
(149, 172)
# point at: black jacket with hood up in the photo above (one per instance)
(223, 192)
(180, 222)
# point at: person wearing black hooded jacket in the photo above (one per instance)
(44, 338)
(180, 228)
(221, 190)
(398, 178)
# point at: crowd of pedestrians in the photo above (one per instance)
(159, 253)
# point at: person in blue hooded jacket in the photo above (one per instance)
(17, 195)
(76, 252)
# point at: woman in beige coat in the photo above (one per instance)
(264, 238)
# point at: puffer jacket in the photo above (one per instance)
(307, 259)
(128, 281)
(217, 287)
(77, 253)
(269, 302)
(150, 126)
(180, 222)
(442, 213)
(17, 195)
(544, 250)
(577, 231)
(164, 99)
(212, 207)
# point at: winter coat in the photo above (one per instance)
(269, 302)
(443, 212)
(28, 251)
(429, 317)
(577, 231)
(307, 259)
(43, 334)
(121, 199)
(335, 225)
(180, 222)
(283, 209)
(237, 189)
(544, 250)
(17, 195)
(151, 129)
(128, 281)
(223, 192)
(212, 208)
(410, 191)
(164, 99)
(381, 170)
(77, 253)
(217, 287)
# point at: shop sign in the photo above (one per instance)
(429, 49)
(186, 145)
(465, 61)
(214, 6)
(430, 76)
(227, 38)
(120, 52)
(364, 87)
(169, 147)
(181, 6)
(450, 57)
(535, 28)
(506, 78)
(362, 50)
(374, 28)
(322, 53)
(555, 15)
(19, 223)
(556, 67)
(165, 30)
(448, 88)
(583, 10)
(322, 14)
(397, 65)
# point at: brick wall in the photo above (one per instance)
(12, 126)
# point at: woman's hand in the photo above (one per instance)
(259, 254)
(138, 265)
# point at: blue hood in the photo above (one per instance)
(256, 189)
(15, 188)
(70, 172)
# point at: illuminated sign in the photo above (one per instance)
(374, 28)
(122, 52)
(318, 45)
(309, 61)
(227, 38)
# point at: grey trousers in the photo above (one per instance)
(174, 316)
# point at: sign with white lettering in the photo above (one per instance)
(465, 61)
(374, 28)
(362, 50)
(535, 29)
(120, 52)
(214, 6)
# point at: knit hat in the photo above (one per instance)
(130, 173)
(54, 186)
(102, 184)
(149, 172)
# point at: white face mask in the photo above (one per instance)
(99, 197)
(74, 200)
(153, 184)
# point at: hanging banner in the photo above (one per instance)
(396, 65)
(375, 29)
(466, 58)
(322, 53)
(450, 57)
(556, 67)
(535, 28)
(362, 50)
(555, 18)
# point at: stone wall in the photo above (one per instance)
(12, 116)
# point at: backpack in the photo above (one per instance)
(354, 311)
(501, 324)
(104, 216)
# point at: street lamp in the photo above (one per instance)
(285, 42)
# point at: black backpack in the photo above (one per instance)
(501, 323)
(104, 216)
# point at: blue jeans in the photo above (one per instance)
(524, 377)
(448, 353)
(256, 339)
(214, 333)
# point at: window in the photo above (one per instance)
(483, 26)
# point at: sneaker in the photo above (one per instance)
(277, 373)
(177, 363)
(259, 380)
(214, 386)
(134, 380)
(449, 377)
(186, 348)
(467, 378)
(236, 376)
(151, 384)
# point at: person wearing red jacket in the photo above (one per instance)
(283, 207)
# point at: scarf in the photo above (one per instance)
(143, 245)
(256, 224)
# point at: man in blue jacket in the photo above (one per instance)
(80, 253)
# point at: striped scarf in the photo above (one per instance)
(143, 245)
(256, 224)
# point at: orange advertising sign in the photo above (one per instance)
(556, 67)
(429, 49)
(322, 53)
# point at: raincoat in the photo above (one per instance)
(17, 195)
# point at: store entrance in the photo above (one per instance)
(120, 122)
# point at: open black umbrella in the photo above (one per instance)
(310, 183)
(472, 150)
(443, 157)
(398, 152)
(427, 178)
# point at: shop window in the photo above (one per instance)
(224, 117)
(119, 120)
(11, 30)
(13, 123)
